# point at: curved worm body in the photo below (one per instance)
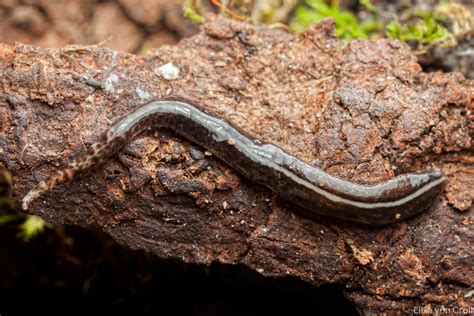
(291, 178)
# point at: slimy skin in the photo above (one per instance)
(289, 177)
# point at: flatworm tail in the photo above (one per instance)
(293, 179)
(106, 146)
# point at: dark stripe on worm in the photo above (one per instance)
(289, 177)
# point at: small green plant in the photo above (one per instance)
(369, 6)
(425, 30)
(31, 227)
(348, 25)
(191, 9)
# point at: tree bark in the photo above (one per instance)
(363, 111)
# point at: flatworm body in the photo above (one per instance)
(289, 177)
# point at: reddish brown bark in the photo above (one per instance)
(363, 111)
(130, 25)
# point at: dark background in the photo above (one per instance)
(75, 271)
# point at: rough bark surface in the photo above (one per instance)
(363, 111)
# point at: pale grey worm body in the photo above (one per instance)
(289, 177)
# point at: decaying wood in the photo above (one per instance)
(364, 111)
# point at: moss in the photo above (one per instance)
(348, 26)
(424, 28)
(31, 227)
(192, 11)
